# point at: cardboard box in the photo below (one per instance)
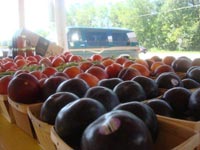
(42, 46)
(42, 129)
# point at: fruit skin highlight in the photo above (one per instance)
(73, 118)
(114, 130)
(128, 91)
(145, 113)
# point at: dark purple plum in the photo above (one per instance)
(160, 107)
(168, 80)
(117, 130)
(53, 105)
(73, 118)
(104, 95)
(128, 91)
(74, 85)
(178, 98)
(145, 113)
(194, 104)
(149, 85)
(110, 82)
(190, 83)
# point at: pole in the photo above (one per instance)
(21, 14)
(60, 23)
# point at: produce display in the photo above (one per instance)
(104, 103)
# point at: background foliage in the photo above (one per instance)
(164, 24)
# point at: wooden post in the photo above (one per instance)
(21, 14)
(60, 23)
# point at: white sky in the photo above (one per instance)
(8, 15)
(36, 14)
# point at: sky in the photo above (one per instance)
(36, 14)
(8, 15)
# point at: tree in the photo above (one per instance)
(165, 24)
(178, 25)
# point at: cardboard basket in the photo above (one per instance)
(60, 144)
(172, 136)
(20, 113)
(5, 109)
(176, 136)
(194, 125)
(42, 129)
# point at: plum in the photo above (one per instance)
(190, 83)
(196, 62)
(194, 73)
(104, 95)
(149, 85)
(168, 80)
(160, 107)
(178, 98)
(73, 118)
(50, 85)
(53, 105)
(181, 64)
(194, 104)
(74, 85)
(128, 91)
(110, 82)
(145, 113)
(24, 88)
(117, 130)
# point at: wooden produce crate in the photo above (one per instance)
(5, 109)
(42, 129)
(20, 113)
(172, 136)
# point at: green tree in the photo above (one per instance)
(166, 24)
(177, 24)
